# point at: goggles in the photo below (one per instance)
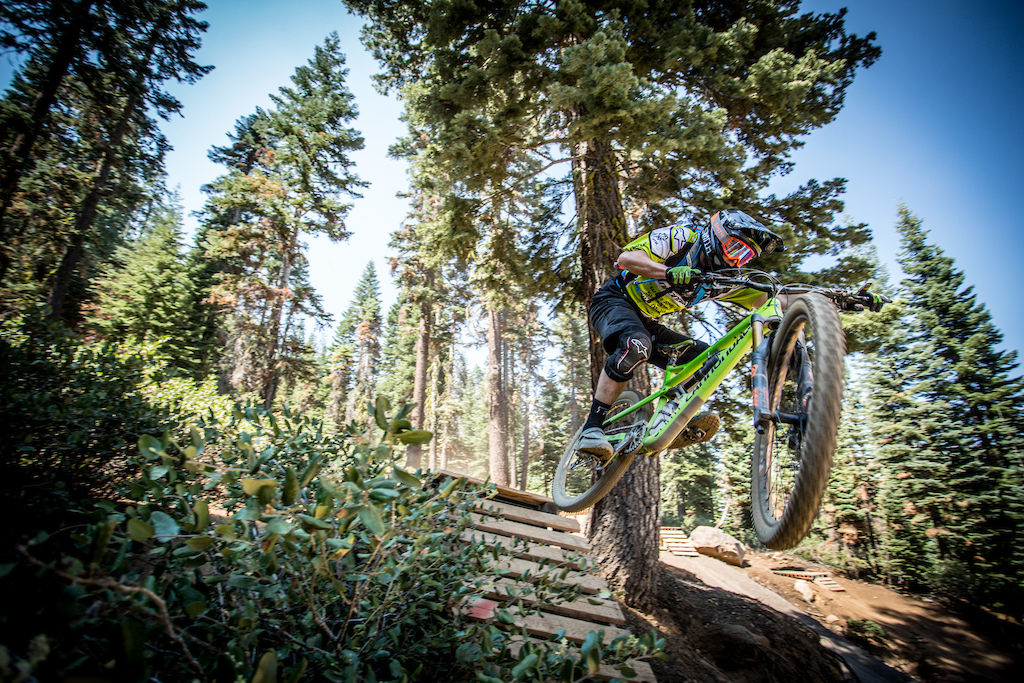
(737, 252)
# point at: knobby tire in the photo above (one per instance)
(566, 496)
(790, 463)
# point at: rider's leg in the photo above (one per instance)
(607, 388)
(632, 350)
(607, 391)
(625, 338)
(593, 439)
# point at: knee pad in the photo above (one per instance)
(631, 352)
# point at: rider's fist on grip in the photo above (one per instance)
(681, 275)
(866, 299)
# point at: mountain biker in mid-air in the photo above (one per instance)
(653, 268)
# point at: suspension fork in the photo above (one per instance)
(759, 372)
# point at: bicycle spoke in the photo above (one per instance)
(785, 446)
(793, 454)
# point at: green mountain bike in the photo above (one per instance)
(796, 386)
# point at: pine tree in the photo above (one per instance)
(398, 353)
(851, 516)
(961, 402)
(145, 293)
(365, 315)
(288, 176)
(339, 370)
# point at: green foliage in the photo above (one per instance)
(951, 407)
(69, 407)
(688, 487)
(145, 292)
(263, 546)
(865, 627)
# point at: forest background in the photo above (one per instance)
(126, 313)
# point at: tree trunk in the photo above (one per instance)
(497, 402)
(434, 399)
(271, 379)
(602, 226)
(624, 533)
(414, 454)
(87, 212)
(524, 454)
(624, 525)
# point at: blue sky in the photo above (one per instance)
(935, 124)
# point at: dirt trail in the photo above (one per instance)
(864, 667)
(921, 639)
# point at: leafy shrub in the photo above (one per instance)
(237, 556)
(73, 410)
(865, 627)
(185, 399)
(69, 408)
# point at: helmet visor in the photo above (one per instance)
(736, 252)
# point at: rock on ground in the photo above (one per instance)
(716, 543)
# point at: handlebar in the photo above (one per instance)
(843, 299)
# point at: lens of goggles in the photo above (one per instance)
(737, 253)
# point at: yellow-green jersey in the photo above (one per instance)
(675, 246)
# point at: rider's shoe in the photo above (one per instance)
(700, 428)
(593, 441)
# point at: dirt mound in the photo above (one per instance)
(922, 637)
(715, 635)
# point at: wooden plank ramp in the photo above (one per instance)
(676, 541)
(821, 578)
(536, 543)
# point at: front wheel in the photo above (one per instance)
(581, 479)
(792, 458)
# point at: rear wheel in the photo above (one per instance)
(581, 479)
(792, 458)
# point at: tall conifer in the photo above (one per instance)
(701, 101)
(145, 293)
(289, 175)
(364, 313)
(954, 403)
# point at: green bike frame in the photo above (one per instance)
(675, 407)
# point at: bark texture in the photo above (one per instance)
(497, 402)
(414, 455)
(624, 526)
(624, 532)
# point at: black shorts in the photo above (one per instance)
(615, 319)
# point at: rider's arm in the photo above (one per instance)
(640, 263)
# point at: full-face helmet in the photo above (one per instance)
(732, 239)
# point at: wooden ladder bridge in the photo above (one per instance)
(537, 544)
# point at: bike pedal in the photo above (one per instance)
(700, 429)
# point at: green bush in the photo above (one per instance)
(71, 411)
(263, 548)
(865, 627)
